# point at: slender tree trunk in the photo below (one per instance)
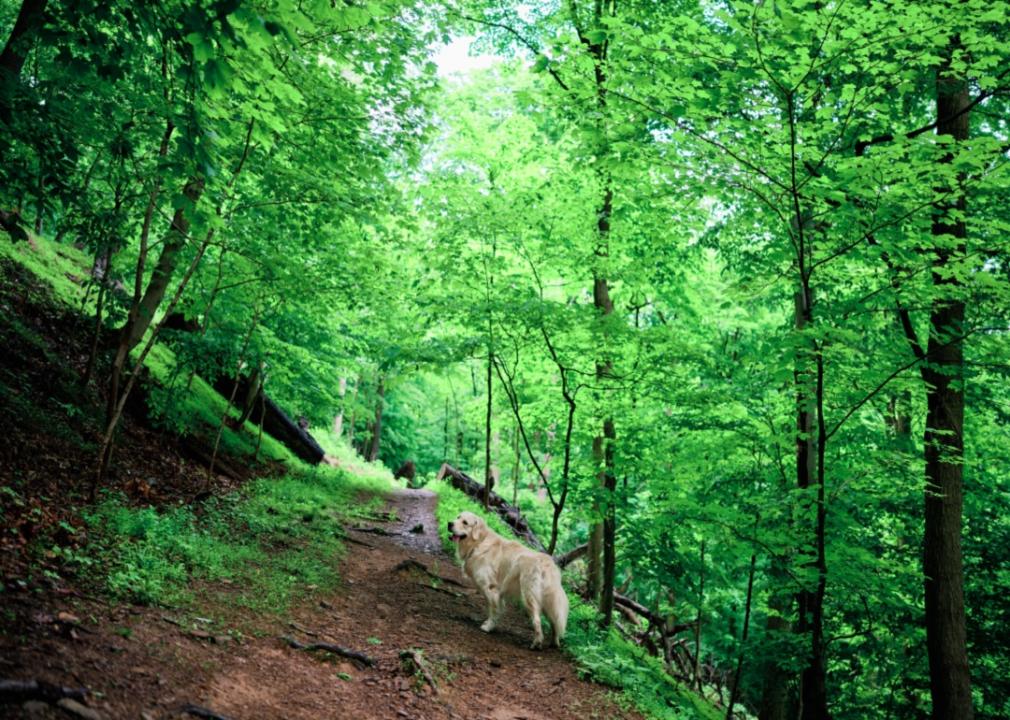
(946, 645)
(100, 271)
(488, 477)
(373, 451)
(809, 476)
(776, 678)
(96, 337)
(252, 394)
(445, 431)
(263, 415)
(351, 418)
(734, 691)
(105, 448)
(338, 421)
(516, 465)
(698, 620)
(609, 523)
(603, 539)
(601, 545)
(231, 397)
(142, 313)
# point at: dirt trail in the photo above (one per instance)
(382, 608)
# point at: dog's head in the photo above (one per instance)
(467, 528)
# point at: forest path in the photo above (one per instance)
(144, 664)
(477, 675)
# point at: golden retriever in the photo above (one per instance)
(505, 570)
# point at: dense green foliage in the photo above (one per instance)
(727, 281)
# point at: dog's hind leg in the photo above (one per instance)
(493, 597)
(556, 609)
(531, 601)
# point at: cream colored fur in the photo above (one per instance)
(506, 570)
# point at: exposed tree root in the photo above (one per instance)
(330, 648)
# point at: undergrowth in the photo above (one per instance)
(267, 544)
(600, 654)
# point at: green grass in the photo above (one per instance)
(53, 262)
(603, 655)
(275, 540)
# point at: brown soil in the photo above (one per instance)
(138, 663)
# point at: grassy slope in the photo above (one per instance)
(605, 656)
(265, 544)
(197, 410)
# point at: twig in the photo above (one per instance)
(350, 539)
(412, 564)
(304, 630)
(373, 530)
(330, 648)
(446, 591)
(415, 657)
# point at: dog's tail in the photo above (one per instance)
(555, 603)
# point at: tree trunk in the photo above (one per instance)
(809, 475)
(251, 395)
(698, 623)
(373, 450)
(338, 421)
(516, 464)
(142, 313)
(488, 477)
(734, 691)
(950, 683)
(351, 418)
(775, 684)
(231, 397)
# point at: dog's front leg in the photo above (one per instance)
(493, 597)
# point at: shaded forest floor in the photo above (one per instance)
(399, 592)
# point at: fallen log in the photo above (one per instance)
(19, 691)
(509, 513)
(565, 559)
(330, 648)
(636, 607)
(274, 420)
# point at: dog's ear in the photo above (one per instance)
(479, 529)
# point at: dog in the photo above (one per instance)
(506, 570)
